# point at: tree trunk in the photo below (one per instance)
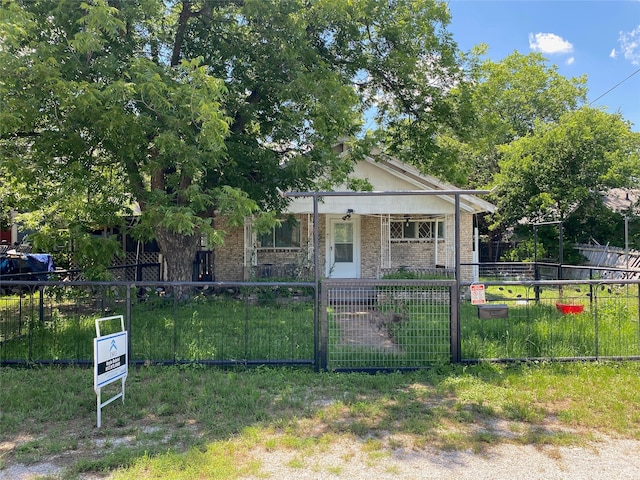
(179, 252)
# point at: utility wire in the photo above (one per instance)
(614, 87)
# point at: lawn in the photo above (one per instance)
(194, 422)
(535, 328)
(214, 328)
(269, 325)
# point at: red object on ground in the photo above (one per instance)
(567, 308)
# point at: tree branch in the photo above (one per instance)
(9, 136)
(183, 20)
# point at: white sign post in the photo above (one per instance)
(110, 361)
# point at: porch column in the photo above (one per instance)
(14, 228)
(250, 251)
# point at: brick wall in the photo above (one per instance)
(228, 258)
(370, 246)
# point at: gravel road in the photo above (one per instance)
(610, 459)
(607, 459)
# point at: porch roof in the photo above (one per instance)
(391, 175)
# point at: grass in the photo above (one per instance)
(194, 422)
(214, 328)
(608, 325)
(421, 338)
(270, 325)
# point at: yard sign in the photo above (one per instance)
(477, 294)
(110, 361)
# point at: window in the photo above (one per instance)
(287, 235)
(417, 229)
(343, 243)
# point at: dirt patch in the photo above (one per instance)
(53, 455)
(368, 329)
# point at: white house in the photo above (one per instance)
(361, 236)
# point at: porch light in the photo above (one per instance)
(348, 215)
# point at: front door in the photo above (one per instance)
(343, 248)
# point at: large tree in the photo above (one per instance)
(561, 171)
(190, 107)
(508, 99)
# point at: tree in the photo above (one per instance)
(190, 107)
(560, 171)
(508, 99)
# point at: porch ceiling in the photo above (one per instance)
(380, 205)
(390, 175)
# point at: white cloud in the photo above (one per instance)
(613, 53)
(549, 43)
(571, 60)
(630, 45)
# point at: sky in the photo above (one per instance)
(599, 38)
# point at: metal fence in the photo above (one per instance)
(524, 271)
(209, 323)
(386, 324)
(556, 320)
(346, 325)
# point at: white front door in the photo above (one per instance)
(343, 247)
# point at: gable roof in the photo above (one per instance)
(387, 174)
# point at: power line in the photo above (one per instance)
(614, 87)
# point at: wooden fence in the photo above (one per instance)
(607, 256)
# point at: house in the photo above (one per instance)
(622, 200)
(361, 236)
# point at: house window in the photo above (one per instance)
(287, 235)
(417, 230)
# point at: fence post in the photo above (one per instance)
(595, 320)
(174, 292)
(321, 345)
(318, 313)
(536, 277)
(128, 320)
(31, 327)
(455, 303)
(41, 304)
(456, 354)
(639, 314)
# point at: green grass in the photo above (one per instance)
(421, 338)
(267, 324)
(205, 328)
(194, 422)
(608, 325)
(219, 328)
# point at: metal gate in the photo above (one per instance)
(374, 325)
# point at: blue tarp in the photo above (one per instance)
(26, 266)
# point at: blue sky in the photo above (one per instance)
(598, 38)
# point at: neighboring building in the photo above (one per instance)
(360, 236)
(622, 199)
